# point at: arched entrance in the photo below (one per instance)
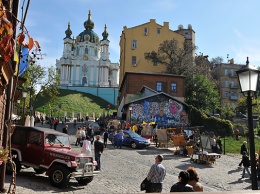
(84, 81)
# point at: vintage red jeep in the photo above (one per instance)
(47, 150)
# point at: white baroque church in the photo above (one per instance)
(85, 65)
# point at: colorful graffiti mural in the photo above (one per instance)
(165, 111)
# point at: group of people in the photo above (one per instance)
(118, 139)
(188, 180)
(83, 133)
(216, 145)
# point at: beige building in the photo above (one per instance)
(228, 85)
(135, 42)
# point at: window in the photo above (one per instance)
(154, 62)
(232, 83)
(35, 138)
(145, 31)
(226, 72)
(159, 86)
(226, 83)
(86, 50)
(158, 31)
(173, 87)
(134, 60)
(226, 94)
(134, 44)
(232, 72)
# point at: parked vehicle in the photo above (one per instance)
(47, 150)
(132, 139)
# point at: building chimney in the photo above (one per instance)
(231, 61)
(166, 24)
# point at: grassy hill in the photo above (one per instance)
(74, 101)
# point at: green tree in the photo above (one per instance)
(41, 81)
(228, 111)
(201, 93)
(217, 60)
(177, 57)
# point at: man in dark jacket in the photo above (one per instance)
(98, 147)
(246, 164)
(182, 185)
(105, 136)
(243, 149)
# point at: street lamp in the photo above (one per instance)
(43, 109)
(131, 109)
(24, 94)
(248, 78)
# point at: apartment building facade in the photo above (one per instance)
(135, 42)
(228, 84)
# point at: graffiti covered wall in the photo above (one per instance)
(161, 109)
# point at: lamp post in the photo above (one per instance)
(248, 78)
(131, 109)
(24, 94)
(43, 109)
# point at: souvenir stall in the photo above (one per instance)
(200, 150)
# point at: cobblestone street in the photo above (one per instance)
(124, 169)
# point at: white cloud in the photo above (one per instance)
(247, 47)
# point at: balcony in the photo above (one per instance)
(232, 75)
(233, 86)
(233, 97)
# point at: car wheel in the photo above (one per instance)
(84, 180)
(9, 166)
(59, 176)
(39, 171)
(133, 145)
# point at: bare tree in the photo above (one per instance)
(177, 57)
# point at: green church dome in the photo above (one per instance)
(89, 26)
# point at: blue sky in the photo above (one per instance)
(222, 27)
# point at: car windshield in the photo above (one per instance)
(133, 135)
(56, 139)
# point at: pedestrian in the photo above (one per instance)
(213, 144)
(92, 135)
(115, 138)
(98, 147)
(243, 149)
(120, 139)
(246, 164)
(105, 137)
(156, 176)
(65, 129)
(86, 147)
(194, 180)
(51, 122)
(75, 123)
(55, 123)
(219, 145)
(78, 136)
(237, 134)
(182, 184)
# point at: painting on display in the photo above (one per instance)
(165, 111)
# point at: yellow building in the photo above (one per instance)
(228, 85)
(135, 42)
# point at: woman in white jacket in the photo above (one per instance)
(86, 147)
